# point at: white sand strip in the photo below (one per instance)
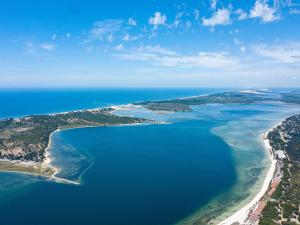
(242, 215)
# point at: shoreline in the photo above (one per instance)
(45, 169)
(242, 215)
(239, 216)
(42, 168)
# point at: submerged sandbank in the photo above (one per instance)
(243, 214)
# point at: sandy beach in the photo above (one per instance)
(242, 215)
(45, 169)
(47, 164)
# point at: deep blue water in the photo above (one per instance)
(136, 175)
(148, 175)
(20, 102)
(140, 175)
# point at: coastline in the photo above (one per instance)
(242, 215)
(45, 169)
(42, 170)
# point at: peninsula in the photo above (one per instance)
(230, 97)
(24, 141)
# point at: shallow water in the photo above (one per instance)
(20, 102)
(201, 165)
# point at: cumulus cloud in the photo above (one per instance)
(196, 14)
(241, 14)
(177, 19)
(159, 56)
(47, 47)
(128, 37)
(119, 47)
(283, 53)
(104, 30)
(262, 10)
(188, 25)
(238, 43)
(220, 17)
(132, 22)
(242, 48)
(213, 4)
(158, 19)
(294, 11)
(110, 38)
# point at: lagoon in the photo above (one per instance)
(199, 166)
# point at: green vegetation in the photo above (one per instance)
(27, 138)
(183, 104)
(284, 206)
(232, 97)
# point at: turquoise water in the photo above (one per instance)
(20, 102)
(199, 166)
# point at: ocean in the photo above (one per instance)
(199, 166)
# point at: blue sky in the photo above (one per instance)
(150, 43)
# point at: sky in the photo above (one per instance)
(150, 43)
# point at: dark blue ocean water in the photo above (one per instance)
(20, 102)
(134, 175)
(140, 175)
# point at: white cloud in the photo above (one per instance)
(262, 10)
(127, 37)
(103, 30)
(29, 48)
(110, 37)
(284, 3)
(119, 47)
(158, 19)
(132, 22)
(220, 17)
(89, 49)
(188, 25)
(177, 19)
(237, 41)
(155, 49)
(294, 11)
(284, 53)
(48, 47)
(239, 44)
(196, 14)
(213, 4)
(176, 23)
(241, 14)
(159, 56)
